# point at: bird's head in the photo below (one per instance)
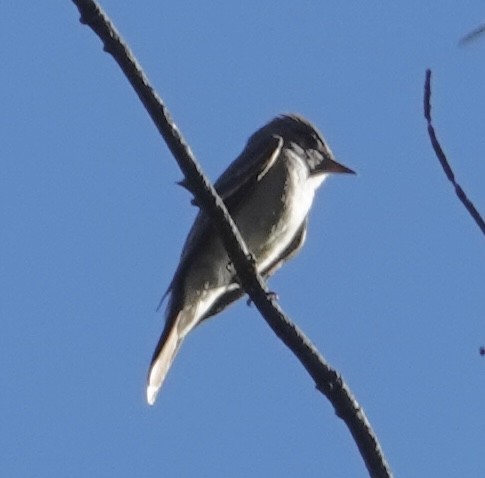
(299, 134)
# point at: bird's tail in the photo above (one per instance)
(164, 354)
(181, 319)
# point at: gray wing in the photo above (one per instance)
(249, 167)
(232, 186)
(252, 164)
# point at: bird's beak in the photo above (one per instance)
(331, 166)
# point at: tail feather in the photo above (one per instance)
(163, 357)
(180, 321)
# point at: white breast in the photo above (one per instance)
(301, 187)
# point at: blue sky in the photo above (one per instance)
(390, 284)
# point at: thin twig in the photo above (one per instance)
(440, 154)
(327, 380)
(472, 36)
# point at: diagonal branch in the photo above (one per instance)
(472, 36)
(327, 380)
(440, 154)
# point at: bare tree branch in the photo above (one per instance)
(327, 380)
(442, 157)
(473, 35)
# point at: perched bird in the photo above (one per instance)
(268, 190)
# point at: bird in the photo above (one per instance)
(268, 190)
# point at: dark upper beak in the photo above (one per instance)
(331, 166)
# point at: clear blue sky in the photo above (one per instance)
(390, 285)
